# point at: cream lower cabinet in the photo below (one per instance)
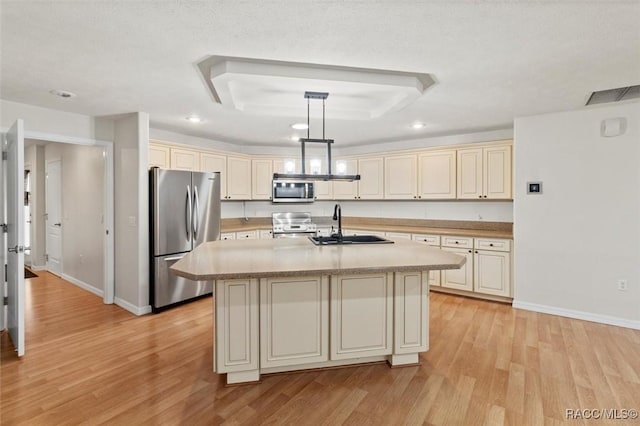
(294, 321)
(492, 267)
(236, 325)
(459, 279)
(361, 315)
(432, 241)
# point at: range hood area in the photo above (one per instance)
(328, 142)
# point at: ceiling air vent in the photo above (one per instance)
(614, 95)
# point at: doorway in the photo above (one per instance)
(53, 216)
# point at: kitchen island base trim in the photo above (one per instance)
(247, 335)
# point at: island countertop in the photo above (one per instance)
(281, 257)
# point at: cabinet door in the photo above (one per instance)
(469, 173)
(437, 175)
(228, 236)
(497, 172)
(411, 312)
(261, 179)
(433, 241)
(345, 190)
(159, 156)
(286, 165)
(361, 315)
(185, 159)
(294, 321)
(265, 234)
(400, 177)
(238, 178)
(492, 272)
(215, 163)
(461, 279)
(371, 184)
(236, 325)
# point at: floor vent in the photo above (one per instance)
(614, 95)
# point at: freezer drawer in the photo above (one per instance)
(169, 288)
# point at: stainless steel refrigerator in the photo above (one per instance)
(185, 212)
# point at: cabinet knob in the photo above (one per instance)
(414, 196)
(476, 251)
(484, 196)
(470, 251)
(457, 242)
(490, 244)
(479, 196)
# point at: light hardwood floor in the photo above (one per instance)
(89, 363)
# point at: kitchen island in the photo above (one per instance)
(286, 304)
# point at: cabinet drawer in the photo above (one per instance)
(457, 242)
(228, 236)
(492, 244)
(432, 240)
(247, 235)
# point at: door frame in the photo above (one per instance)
(46, 204)
(108, 295)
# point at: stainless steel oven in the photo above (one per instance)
(293, 224)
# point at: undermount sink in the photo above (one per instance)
(349, 239)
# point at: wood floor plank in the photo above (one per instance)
(89, 363)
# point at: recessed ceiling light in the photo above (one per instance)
(418, 125)
(300, 126)
(295, 138)
(62, 93)
(194, 119)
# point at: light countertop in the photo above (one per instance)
(280, 257)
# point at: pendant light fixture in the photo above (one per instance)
(328, 142)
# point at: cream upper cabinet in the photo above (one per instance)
(437, 175)
(318, 166)
(210, 162)
(159, 156)
(238, 178)
(185, 159)
(345, 190)
(261, 178)
(400, 177)
(286, 165)
(497, 172)
(484, 172)
(371, 183)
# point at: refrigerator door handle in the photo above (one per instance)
(196, 212)
(171, 259)
(188, 212)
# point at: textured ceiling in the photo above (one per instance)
(491, 61)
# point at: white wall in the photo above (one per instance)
(40, 121)
(582, 234)
(131, 140)
(82, 213)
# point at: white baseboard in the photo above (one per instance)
(136, 310)
(83, 285)
(581, 315)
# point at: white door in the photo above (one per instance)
(12, 195)
(54, 216)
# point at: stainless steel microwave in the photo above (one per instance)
(293, 191)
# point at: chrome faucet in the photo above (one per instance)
(337, 215)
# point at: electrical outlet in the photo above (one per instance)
(622, 285)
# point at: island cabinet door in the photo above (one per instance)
(361, 315)
(411, 310)
(236, 327)
(294, 320)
